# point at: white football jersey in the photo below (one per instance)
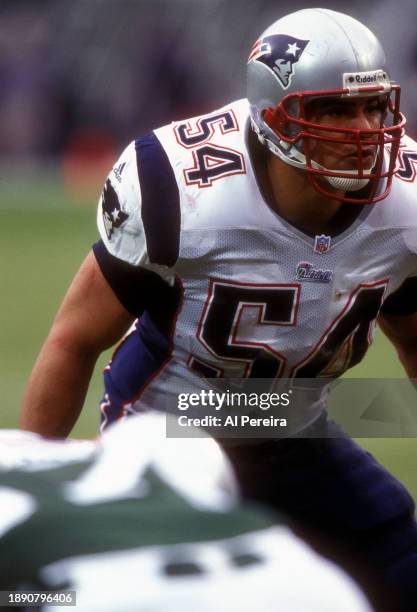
(256, 297)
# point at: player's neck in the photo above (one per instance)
(288, 192)
(296, 200)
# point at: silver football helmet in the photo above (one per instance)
(316, 53)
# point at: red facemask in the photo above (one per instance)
(294, 128)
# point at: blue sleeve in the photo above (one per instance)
(403, 301)
(137, 289)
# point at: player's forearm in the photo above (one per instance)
(409, 360)
(402, 332)
(57, 388)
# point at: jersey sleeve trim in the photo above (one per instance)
(161, 213)
(403, 301)
(136, 288)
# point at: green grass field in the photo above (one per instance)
(41, 249)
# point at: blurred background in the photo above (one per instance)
(81, 79)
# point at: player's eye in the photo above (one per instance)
(335, 110)
(319, 109)
(376, 106)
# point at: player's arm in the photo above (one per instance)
(128, 272)
(398, 320)
(402, 331)
(90, 320)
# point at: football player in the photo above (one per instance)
(262, 240)
(140, 522)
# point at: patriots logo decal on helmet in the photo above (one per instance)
(279, 53)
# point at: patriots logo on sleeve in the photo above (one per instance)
(113, 216)
(279, 53)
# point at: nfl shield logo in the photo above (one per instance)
(322, 244)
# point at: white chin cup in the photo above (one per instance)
(347, 184)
